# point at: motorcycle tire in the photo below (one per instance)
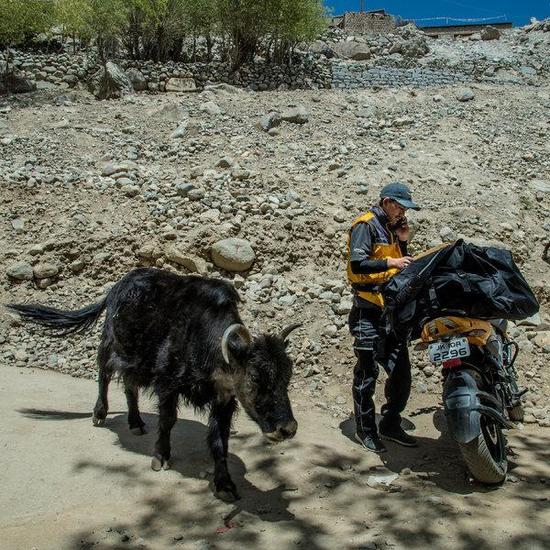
(516, 414)
(487, 462)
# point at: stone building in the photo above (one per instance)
(367, 22)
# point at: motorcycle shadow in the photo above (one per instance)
(434, 461)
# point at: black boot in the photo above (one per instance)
(371, 443)
(394, 432)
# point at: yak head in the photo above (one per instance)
(261, 372)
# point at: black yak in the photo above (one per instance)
(182, 337)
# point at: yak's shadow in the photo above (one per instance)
(190, 458)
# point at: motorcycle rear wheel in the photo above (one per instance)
(485, 456)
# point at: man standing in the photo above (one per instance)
(377, 250)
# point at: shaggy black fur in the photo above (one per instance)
(163, 332)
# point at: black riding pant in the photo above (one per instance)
(372, 348)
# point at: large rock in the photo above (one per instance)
(233, 254)
(110, 82)
(181, 85)
(45, 270)
(296, 115)
(137, 79)
(14, 82)
(465, 94)
(270, 120)
(415, 47)
(357, 51)
(490, 33)
(20, 272)
(210, 108)
(112, 168)
(223, 89)
(193, 264)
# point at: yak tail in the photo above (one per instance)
(60, 322)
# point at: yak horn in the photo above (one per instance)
(283, 335)
(239, 329)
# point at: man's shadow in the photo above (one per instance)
(439, 459)
(190, 458)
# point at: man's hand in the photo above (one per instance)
(403, 232)
(400, 263)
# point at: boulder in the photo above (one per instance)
(210, 108)
(296, 115)
(20, 272)
(191, 263)
(110, 82)
(14, 82)
(137, 79)
(415, 47)
(490, 33)
(181, 85)
(45, 270)
(233, 254)
(465, 94)
(223, 89)
(270, 120)
(357, 51)
(181, 130)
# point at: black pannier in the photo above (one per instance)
(458, 279)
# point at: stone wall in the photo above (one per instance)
(357, 75)
(72, 69)
(310, 74)
(393, 72)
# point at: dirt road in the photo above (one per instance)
(67, 485)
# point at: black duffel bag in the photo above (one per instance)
(460, 279)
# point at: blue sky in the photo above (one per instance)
(517, 11)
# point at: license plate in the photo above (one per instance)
(456, 348)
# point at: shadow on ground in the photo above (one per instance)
(411, 517)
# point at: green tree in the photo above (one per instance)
(201, 19)
(245, 22)
(155, 29)
(291, 22)
(104, 21)
(74, 17)
(22, 19)
(278, 25)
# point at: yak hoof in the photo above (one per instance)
(140, 430)
(158, 463)
(228, 495)
(98, 422)
(226, 490)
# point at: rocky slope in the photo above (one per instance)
(92, 189)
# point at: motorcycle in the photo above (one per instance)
(480, 390)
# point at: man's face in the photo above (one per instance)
(393, 209)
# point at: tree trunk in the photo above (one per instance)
(6, 71)
(245, 48)
(209, 44)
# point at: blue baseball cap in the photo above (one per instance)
(400, 193)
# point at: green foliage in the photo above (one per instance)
(155, 27)
(162, 29)
(74, 16)
(291, 22)
(21, 19)
(282, 23)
